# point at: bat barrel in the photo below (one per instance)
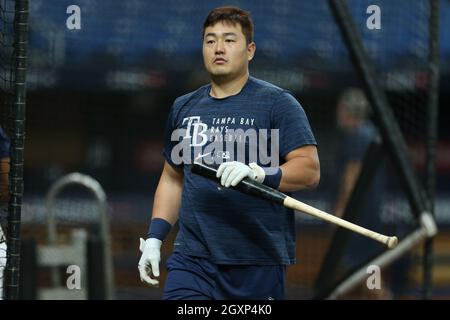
(292, 203)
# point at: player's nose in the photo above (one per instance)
(220, 48)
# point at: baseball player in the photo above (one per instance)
(230, 245)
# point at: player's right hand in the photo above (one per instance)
(149, 262)
(231, 173)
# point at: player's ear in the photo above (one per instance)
(251, 48)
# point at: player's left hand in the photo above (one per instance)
(231, 173)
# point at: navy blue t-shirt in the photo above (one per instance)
(4, 144)
(262, 123)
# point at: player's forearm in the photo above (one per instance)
(348, 181)
(300, 173)
(167, 199)
(344, 193)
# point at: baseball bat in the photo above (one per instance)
(260, 190)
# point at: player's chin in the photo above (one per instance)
(219, 71)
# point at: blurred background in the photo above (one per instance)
(98, 97)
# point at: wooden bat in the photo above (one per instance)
(255, 188)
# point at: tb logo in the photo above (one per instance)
(198, 137)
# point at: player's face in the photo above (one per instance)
(225, 50)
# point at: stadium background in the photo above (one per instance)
(98, 98)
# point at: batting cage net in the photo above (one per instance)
(101, 81)
(399, 58)
(6, 104)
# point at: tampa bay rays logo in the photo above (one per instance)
(198, 137)
(197, 141)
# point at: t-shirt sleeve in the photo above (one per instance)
(169, 144)
(294, 129)
(4, 144)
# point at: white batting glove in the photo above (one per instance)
(231, 173)
(149, 262)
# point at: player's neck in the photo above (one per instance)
(222, 88)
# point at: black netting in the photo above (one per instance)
(98, 98)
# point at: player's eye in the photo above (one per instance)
(230, 40)
(209, 41)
